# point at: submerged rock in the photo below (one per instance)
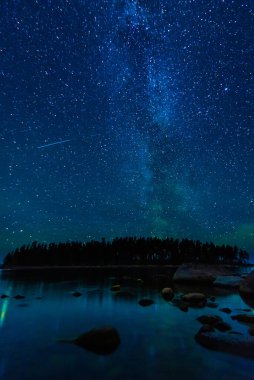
(183, 306)
(167, 294)
(212, 304)
(229, 282)
(231, 343)
(115, 288)
(222, 326)
(206, 328)
(145, 302)
(251, 330)
(19, 297)
(103, 340)
(4, 296)
(77, 294)
(245, 318)
(226, 310)
(211, 320)
(195, 299)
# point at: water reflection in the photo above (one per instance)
(154, 339)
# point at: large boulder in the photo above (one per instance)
(103, 340)
(247, 285)
(199, 273)
(242, 345)
(229, 282)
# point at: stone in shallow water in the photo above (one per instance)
(167, 294)
(103, 341)
(222, 326)
(245, 318)
(212, 304)
(251, 330)
(77, 294)
(19, 297)
(195, 299)
(180, 304)
(4, 296)
(211, 320)
(145, 302)
(226, 310)
(236, 344)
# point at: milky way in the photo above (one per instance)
(150, 107)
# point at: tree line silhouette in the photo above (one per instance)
(124, 251)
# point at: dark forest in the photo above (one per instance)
(125, 251)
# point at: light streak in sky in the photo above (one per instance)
(54, 143)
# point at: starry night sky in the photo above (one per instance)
(151, 106)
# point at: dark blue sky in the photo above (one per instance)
(155, 99)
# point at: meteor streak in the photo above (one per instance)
(54, 143)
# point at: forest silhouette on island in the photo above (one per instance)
(125, 251)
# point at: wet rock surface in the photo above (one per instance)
(145, 302)
(236, 344)
(104, 340)
(229, 282)
(199, 273)
(247, 285)
(167, 294)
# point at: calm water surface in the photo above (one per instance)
(156, 341)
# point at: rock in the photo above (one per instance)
(212, 304)
(19, 297)
(229, 282)
(211, 320)
(115, 288)
(236, 344)
(206, 328)
(197, 299)
(145, 302)
(212, 299)
(140, 281)
(167, 294)
(243, 318)
(251, 330)
(77, 294)
(4, 296)
(180, 304)
(222, 326)
(226, 310)
(103, 340)
(199, 273)
(247, 285)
